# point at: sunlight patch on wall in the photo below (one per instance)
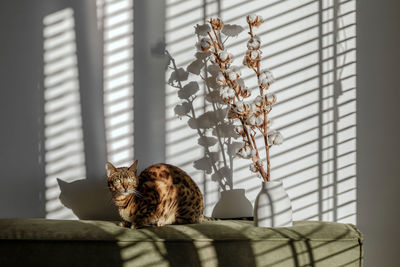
(115, 19)
(310, 46)
(64, 148)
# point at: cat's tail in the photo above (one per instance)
(204, 218)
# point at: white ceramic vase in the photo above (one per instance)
(272, 207)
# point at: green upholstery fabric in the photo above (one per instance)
(42, 242)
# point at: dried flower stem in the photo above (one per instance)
(247, 139)
(231, 89)
(265, 128)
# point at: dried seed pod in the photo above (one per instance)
(233, 76)
(252, 119)
(240, 106)
(265, 78)
(205, 45)
(254, 43)
(255, 159)
(259, 120)
(263, 83)
(275, 138)
(245, 92)
(254, 54)
(240, 131)
(213, 59)
(245, 152)
(253, 167)
(233, 73)
(251, 58)
(255, 20)
(253, 108)
(231, 93)
(225, 57)
(247, 111)
(237, 88)
(216, 23)
(258, 101)
(270, 99)
(227, 93)
(221, 79)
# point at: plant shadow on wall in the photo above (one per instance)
(216, 134)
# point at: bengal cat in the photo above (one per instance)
(162, 194)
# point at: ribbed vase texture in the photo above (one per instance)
(272, 207)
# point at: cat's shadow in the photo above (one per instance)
(89, 199)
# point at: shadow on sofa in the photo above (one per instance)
(43, 242)
(240, 244)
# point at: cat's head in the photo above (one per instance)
(122, 180)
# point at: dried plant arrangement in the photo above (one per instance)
(246, 115)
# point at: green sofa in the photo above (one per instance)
(43, 242)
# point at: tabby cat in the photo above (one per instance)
(162, 194)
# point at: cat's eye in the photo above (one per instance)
(130, 180)
(118, 181)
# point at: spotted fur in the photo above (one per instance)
(162, 194)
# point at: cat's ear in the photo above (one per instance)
(133, 167)
(110, 169)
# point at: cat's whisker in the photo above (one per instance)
(137, 193)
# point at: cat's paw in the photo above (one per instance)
(159, 224)
(133, 226)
